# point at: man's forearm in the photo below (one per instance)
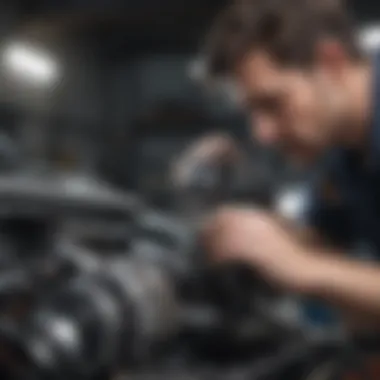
(306, 235)
(349, 284)
(353, 286)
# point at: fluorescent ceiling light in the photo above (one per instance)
(369, 37)
(31, 64)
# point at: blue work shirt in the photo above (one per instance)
(345, 199)
(345, 204)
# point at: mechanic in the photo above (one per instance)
(311, 91)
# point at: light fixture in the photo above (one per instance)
(31, 64)
(369, 37)
(291, 202)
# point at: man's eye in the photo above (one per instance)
(265, 105)
(270, 105)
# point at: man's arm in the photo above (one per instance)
(352, 285)
(356, 317)
(306, 235)
(276, 253)
(331, 276)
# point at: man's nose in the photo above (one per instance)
(265, 130)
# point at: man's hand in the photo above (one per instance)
(258, 238)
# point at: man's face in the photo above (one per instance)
(294, 110)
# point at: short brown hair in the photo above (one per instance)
(286, 29)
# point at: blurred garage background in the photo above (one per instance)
(107, 87)
(109, 91)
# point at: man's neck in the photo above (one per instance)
(359, 87)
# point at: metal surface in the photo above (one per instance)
(24, 195)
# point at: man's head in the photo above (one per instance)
(292, 61)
